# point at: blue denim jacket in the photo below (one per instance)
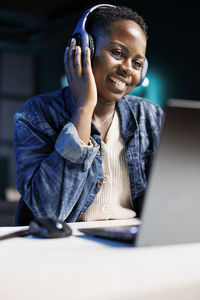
(58, 178)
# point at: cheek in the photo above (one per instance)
(136, 78)
(99, 68)
(98, 63)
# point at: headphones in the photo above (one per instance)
(84, 39)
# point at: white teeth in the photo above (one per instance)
(119, 82)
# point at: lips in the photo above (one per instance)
(118, 82)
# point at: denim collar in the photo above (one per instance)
(129, 123)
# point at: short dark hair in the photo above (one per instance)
(104, 17)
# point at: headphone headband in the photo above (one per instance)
(80, 28)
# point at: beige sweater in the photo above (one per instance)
(113, 200)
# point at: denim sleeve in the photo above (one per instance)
(51, 174)
(68, 145)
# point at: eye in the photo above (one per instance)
(137, 64)
(117, 53)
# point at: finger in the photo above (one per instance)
(69, 66)
(66, 63)
(66, 55)
(71, 50)
(87, 61)
(77, 61)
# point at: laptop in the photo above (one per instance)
(171, 211)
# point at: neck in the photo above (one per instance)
(103, 115)
(103, 109)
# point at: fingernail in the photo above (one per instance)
(72, 41)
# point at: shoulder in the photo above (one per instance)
(46, 100)
(143, 109)
(139, 103)
(46, 106)
(144, 113)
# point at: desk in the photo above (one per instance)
(83, 268)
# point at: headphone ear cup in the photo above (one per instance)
(144, 72)
(91, 46)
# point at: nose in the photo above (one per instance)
(125, 68)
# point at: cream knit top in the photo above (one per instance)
(113, 200)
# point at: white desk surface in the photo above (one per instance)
(83, 268)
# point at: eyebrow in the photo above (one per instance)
(126, 49)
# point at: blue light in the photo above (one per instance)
(145, 82)
(63, 81)
(133, 230)
(152, 88)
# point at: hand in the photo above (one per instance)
(80, 76)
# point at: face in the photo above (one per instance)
(118, 60)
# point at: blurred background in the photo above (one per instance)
(33, 37)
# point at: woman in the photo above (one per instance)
(84, 152)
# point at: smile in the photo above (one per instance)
(120, 83)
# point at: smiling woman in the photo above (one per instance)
(84, 152)
(118, 60)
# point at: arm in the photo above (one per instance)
(83, 88)
(50, 179)
(51, 174)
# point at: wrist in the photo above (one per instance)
(85, 109)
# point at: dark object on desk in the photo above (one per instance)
(43, 228)
(49, 228)
(19, 233)
(124, 234)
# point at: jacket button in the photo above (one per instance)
(105, 208)
(106, 179)
(98, 152)
(99, 184)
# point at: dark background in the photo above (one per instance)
(43, 29)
